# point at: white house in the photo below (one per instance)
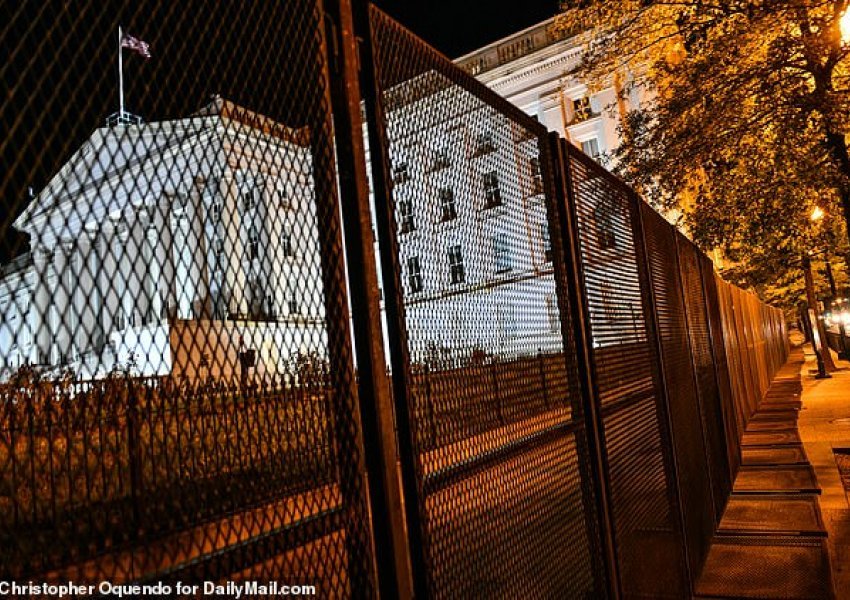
(169, 248)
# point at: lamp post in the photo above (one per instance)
(818, 329)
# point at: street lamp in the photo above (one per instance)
(844, 25)
(817, 214)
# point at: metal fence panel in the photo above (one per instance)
(169, 410)
(721, 366)
(480, 333)
(709, 403)
(691, 438)
(638, 451)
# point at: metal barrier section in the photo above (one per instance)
(721, 366)
(755, 346)
(628, 388)
(702, 354)
(480, 334)
(679, 356)
(178, 397)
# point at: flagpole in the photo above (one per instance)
(120, 76)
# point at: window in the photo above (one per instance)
(280, 194)
(502, 252)
(215, 211)
(492, 193)
(405, 209)
(286, 241)
(448, 205)
(457, 273)
(484, 143)
(536, 176)
(547, 241)
(441, 159)
(581, 109)
(292, 303)
(400, 172)
(552, 313)
(270, 311)
(253, 243)
(249, 198)
(414, 274)
(606, 236)
(591, 148)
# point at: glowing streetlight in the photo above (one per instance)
(844, 25)
(817, 213)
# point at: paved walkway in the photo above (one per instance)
(771, 541)
(824, 425)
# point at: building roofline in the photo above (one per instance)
(507, 38)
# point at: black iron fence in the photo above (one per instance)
(194, 346)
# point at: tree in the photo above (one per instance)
(747, 125)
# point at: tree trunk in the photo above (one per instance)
(813, 304)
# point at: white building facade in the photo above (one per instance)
(171, 248)
(530, 69)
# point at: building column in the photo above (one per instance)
(155, 267)
(107, 279)
(62, 299)
(165, 224)
(92, 320)
(41, 305)
(197, 245)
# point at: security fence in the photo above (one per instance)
(202, 382)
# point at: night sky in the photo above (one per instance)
(456, 27)
(59, 70)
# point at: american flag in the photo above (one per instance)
(136, 45)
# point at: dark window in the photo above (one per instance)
(484, 143)
(253, 244)
(536, 176)
(249, 198)
(502, 253)
(405, 209)
(582, 110)
(288, 250)
(215, 211)
(447, 204)
(547, 241)
(292, 301)
(414, 274)
(492, 193)
(400, 173)
(441, 159)
(457, 273)
(552, 313)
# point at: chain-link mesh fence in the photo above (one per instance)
(628, 388)
(486, 348)
(178, 394)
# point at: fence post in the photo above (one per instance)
(429, 403)
(348, 26)
(496, 396)
(133, 454)
(542, 369)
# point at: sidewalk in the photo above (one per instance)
(824, 425)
